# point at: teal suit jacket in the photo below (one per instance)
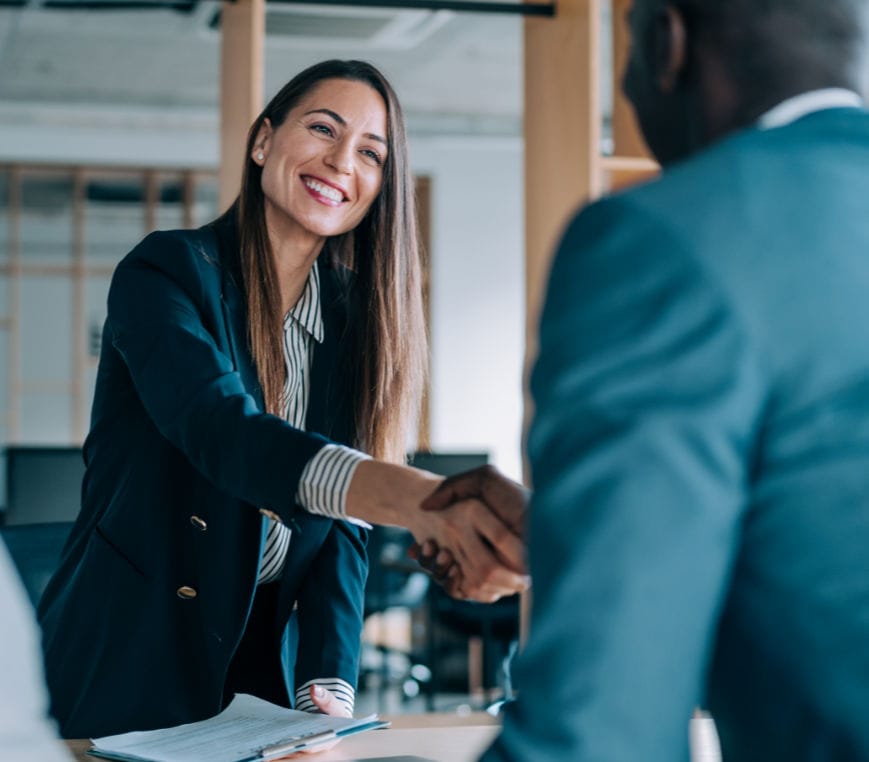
(699, 533)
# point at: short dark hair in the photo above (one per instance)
(811, 43)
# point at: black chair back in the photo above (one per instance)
(43, 484)
(393, 579)
(35, 549)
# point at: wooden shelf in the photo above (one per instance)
(623, 171)
(629, 164)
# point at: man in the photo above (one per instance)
(26, 733)
(699, 531)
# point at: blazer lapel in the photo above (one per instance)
(330, 403)
(235, 309)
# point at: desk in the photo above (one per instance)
(438, 737)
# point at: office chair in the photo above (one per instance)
(36, 549)
(43, 484)
(394, 581)
(492, 633)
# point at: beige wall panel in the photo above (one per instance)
(562, 137)
(241, 87)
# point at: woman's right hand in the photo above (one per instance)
(490, 556)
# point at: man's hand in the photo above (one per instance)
(489, 558)
(503, 497)
(491, 555)
(439, 564)
(506, 498)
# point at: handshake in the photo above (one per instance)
(475, 546)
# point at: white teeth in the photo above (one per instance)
(324, 190)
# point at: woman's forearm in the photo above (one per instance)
(386, 493)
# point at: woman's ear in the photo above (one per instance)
(670, 48)
(262, 143)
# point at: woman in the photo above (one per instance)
(245, 369)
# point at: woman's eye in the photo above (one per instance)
(323, 129)
(372, 155)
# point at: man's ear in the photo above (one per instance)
(670, 48)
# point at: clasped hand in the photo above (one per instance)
(475, 547)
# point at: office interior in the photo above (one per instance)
(110, 126)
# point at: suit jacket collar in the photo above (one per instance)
(330, 402)
(234, 304)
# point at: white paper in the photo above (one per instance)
(239, 732)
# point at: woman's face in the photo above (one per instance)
(322, 167)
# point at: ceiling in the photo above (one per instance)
(454, 72)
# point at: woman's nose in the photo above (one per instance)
(341, 158)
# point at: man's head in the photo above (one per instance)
(701, 68)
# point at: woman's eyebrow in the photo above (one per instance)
(343, 122)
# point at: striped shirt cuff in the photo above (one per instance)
(326, 479)
(339, 688)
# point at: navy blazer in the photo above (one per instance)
(699, 532)
(181, 459)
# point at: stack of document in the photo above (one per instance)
(248, 730)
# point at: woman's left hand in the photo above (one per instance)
(327, 703)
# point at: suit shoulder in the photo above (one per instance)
(180, 254)
(710, 182)
(169, 247)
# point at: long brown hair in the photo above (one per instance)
(383, 251)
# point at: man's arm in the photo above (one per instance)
(645, 395)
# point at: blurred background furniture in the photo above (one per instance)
(419, 640)
(43, 484)
(396, 588)
(468, 645)
(35, 549)
(489, 634)
(43, 494)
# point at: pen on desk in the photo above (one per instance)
(278, 750)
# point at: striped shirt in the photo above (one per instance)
(326, 477)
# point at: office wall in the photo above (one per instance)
(477, 291)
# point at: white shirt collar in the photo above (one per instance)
(306, 311)
(806, 103)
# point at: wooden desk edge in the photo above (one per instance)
(79, 746)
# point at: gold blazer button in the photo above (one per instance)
(186, 592)
(271, 515)
(198, 523)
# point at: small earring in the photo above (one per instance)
(259, 156)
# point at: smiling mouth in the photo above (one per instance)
(327, 191)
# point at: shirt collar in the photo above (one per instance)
(807, 103)
(306, 312)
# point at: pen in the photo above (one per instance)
(278, 750)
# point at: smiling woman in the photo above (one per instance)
(248, 372)
(323, 167)
(337, 130)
